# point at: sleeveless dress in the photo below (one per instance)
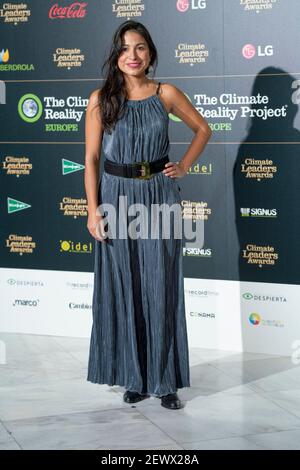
(139, 334)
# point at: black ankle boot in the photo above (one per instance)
(171, 401)
(133, 397)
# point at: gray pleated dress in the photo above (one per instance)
(139, 334)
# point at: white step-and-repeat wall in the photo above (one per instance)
(237, 61)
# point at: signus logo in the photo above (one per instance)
(75, 10)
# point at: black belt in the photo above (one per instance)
(140, 170)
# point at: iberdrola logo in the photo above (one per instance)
(255, 319)
(70, 167)
(13, 205)
(4, 56)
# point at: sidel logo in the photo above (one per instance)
(75, 10)
(249, 51)
(182, 5)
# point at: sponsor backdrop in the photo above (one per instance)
(236, 61)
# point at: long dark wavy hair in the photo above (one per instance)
(113, 95)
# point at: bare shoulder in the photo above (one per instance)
(170, 91)
(93, 107)
(94, 97)
(170, 94)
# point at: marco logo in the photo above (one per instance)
(13, 205)
(70, 167)
(30, 108)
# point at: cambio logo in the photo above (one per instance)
(2, 92)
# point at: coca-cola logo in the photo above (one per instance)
(75, 10)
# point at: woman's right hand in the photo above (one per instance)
(96, 227)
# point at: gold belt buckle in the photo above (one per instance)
(145, 170)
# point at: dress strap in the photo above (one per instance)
(158, 87)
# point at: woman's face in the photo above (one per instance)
(135, 55)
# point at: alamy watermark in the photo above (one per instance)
(141, 221)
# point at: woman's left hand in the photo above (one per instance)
(174, 170)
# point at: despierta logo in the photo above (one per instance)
(30, 108)
(247, 296)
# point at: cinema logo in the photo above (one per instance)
(17, 166)
(76, 10)
(257, 5)
(68, 59)
(128, 8)
(258, 212)
(5, 67)
(14, 13)
(258, 170)
(197, 251)
(249, 51)
(69, 246)
(197, 169)
(191, 54)
(20, 244)
(185, 5)
(260, 255)
(202, 315)
(72, 108)
(73, 207)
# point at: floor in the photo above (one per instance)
(237, 401)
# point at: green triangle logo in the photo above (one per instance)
(13, 205)
(70, 167)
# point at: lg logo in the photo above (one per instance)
(249, 51)
(183, 5)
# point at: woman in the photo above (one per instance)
(139, 337)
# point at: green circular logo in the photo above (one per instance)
(30, 108)
(248, 296)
